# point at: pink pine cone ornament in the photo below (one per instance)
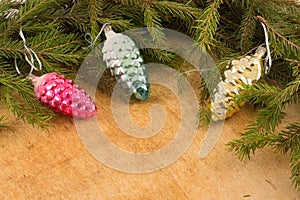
(62, 96)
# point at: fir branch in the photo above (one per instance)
(248, 25)
(248, 144)
(50, 66)
(2, 125)
(243, 4)
(143, 40)
(131, 15)
(263, 94)
(225, 46)
(295, 66)
(23, 111)
(53, 46)
(182, 11)
(259, 93)
(10, 49)
(29, 11)
(204, 94)
(71, 15)
(275, 100)
(286, 140)
(207, 25)
(283, 40)
(282, 75)
(117, 23)
(281, 7)
(153, 23)
(131, 2)
(289, 94)
(95, 10)
(295, 164)
(159, 54)
(17, 96)
(257, 132)
(204, 115)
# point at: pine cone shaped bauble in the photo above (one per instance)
(62, 96)
(123, 59)
(244, 70)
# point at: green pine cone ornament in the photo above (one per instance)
(244, 70)
(123, 59)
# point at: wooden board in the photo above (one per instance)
(56, 164)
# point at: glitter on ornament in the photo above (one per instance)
(124, 61)
(62, 96)
(58, 93)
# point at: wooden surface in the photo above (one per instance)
(56, 165)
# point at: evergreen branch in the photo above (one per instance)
(295, 66)
(130, 15)
(275, 100)
(225, 48)
(45, 39)
(61, 57)
(52, 45)
(153, 23)
(11, 49)
(13, 80)
(259, 93)
(257, 133)
(242, 4)
(31, 111)
(93, 17)
(23, 111)
(247, 27)
(295, 164)
(286, 140)
(2, 125)
(49, 66)
(204, 115)
(182, 11)
(71, 15)
(222, 28)
(29, 11)
(268, 119)
(131, 2)
(248, 144)
(289, 6)
(204, 94)
(207, 25)
(289, 93)
(159, 54)
(294, 47)
(95, 10)
(282, 75)
(117, 24)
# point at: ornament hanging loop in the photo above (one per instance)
(89, 38)
(30, 57)
(268, 60)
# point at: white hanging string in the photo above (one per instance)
(32, 56)
(268, 61)
(92, 41)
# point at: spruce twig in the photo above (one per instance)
(2, 123)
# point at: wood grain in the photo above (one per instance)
(56, 165)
